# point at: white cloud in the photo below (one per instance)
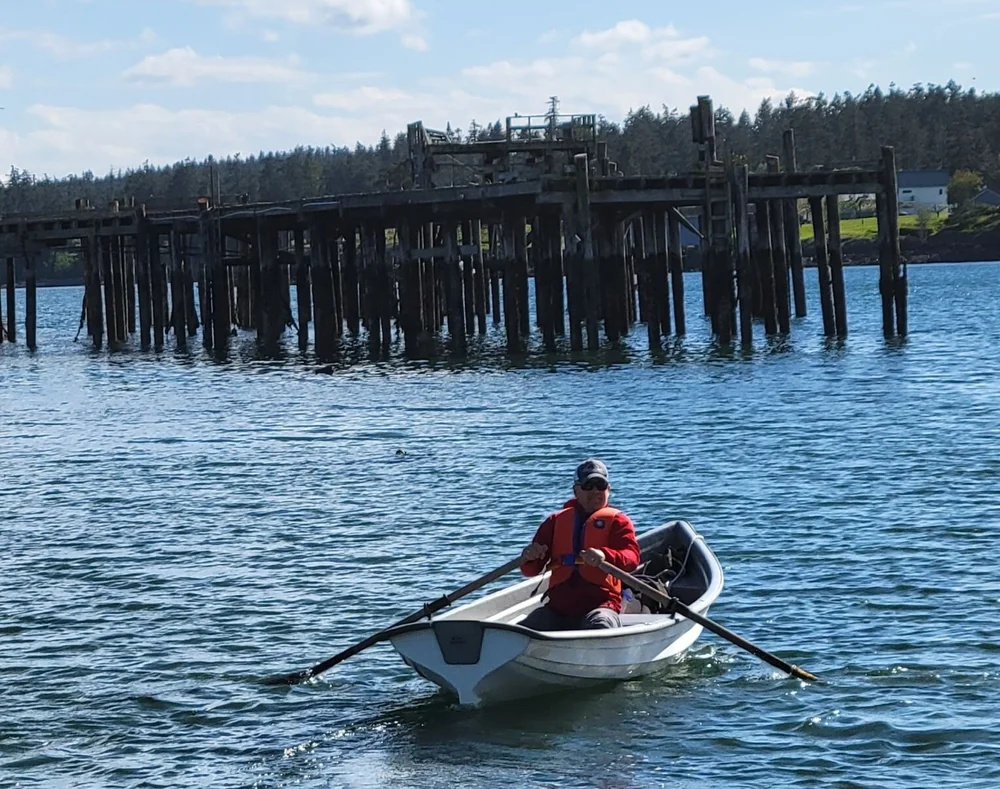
(185, 67)
(414, 42)
(6, 77)
(629, 31)
(606, 79)
(72, 140)
(362, 17)
(65, 48)
(792, 68)
(680, 50)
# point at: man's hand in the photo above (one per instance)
(534, 552)
(592, 556)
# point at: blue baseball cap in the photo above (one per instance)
(592, 468)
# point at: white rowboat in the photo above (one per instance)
(481, 654)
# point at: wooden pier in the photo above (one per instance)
(451, 257)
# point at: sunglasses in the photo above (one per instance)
(594, 484)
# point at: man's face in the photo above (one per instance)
(592, 494)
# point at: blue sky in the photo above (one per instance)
(101, 84)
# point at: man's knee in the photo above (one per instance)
(601, 618)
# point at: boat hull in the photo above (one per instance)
(515, 662)
(481, 653)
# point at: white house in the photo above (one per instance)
(922, 189)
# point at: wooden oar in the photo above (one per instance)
(297, 677)
(674, 605)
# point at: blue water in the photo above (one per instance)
(175, 529)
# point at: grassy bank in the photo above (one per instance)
(867, 228)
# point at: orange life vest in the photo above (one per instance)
(564, 553)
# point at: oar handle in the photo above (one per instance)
(426, 611)
(676, 606)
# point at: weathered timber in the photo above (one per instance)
(178, 299)
(481, 294)
(836, 264)
(118, 275)
(468, 278)
(128, 259)
(647, 278)
(589, 275)
(11, 308)
(782, 288)
(156, 287)
(220, 288)
(764, 253)
(453, 275)
(793, 241)
(352, 308)
(145, 301)
(743, 271)
(321, 290)
(675, 258)
(893, 270)
(188, 267)
(110, 302)
(822, 265)
(512, 322)
(303, 289)
(30, 301)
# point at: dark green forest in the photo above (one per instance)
(934, 126)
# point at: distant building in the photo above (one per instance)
(987, 197)
(922, 189)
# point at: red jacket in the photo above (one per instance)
(577, 596)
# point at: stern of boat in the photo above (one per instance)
(459, 655)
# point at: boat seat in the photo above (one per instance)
(638, 619)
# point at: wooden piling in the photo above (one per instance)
(793, 241)
(221, 288)
(494, 269)
(121, 295)
(188, 268)
(303, 290)
(468, 278)
(30, 301)
(157, 288)
(589, 275)
(743, 271)
(675, 255)
(128, 261)
(764, 252)
(480, 276)
(779, 254)
(142, 272)
(178, 298)
(334, 260)
(323, 312)
(11, 308)
(110, 302)
(822, 266)
(893, 270)
(545, 281)
(352, 308)
(521, 279)
(660, 273)
(836, 264)
(453, 274)
(646, 242)
(385, 289)
(205, 290)
(410, 295)
(512, 321)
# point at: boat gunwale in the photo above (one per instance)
(699, 606)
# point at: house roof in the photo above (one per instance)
(987, 197)
(916, 179)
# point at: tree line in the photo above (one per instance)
(932, 127)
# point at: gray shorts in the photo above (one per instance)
(545, 619)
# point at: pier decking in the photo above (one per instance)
(545, 202)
